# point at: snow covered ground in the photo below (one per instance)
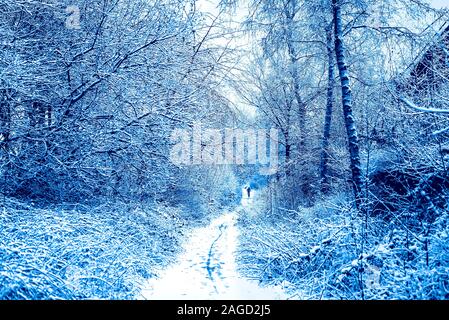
(207, 269)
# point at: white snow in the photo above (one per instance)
(207, 269)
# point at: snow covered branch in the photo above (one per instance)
(412, 105)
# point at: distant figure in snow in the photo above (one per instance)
(248, 190)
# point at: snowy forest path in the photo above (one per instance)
(207, 269)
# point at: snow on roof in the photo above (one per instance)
(441, 35)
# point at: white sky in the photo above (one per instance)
(211, 7)
(440, 3)
(239, 41)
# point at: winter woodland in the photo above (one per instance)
(224, 149)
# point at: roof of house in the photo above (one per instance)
(433, 57)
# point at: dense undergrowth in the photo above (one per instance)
(103, 252)
(330, 252)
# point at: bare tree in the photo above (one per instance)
(324, 160)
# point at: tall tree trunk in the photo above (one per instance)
(288, 150)
(5, 131)
(289, 14)
(324, 159)
(304, 184)
(5, 119)
(350, 125)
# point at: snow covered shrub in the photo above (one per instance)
(329, 251)
(300, 248)
(83, 253)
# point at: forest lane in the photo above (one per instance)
(207, 268)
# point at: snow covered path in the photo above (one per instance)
(207, 269)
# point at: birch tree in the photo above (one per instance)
(324, 160)
(350, 124)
